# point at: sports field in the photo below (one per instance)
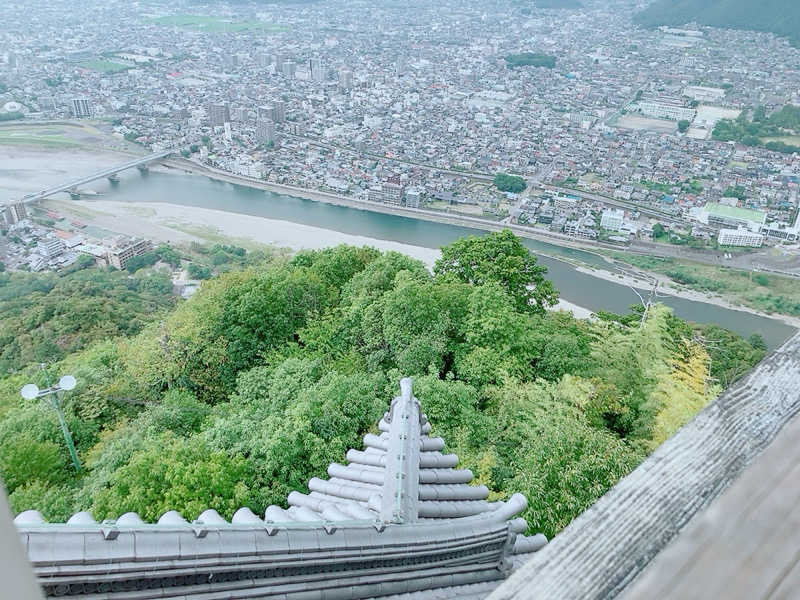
(214, 24)
(631, 121)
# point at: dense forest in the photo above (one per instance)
(781, 17)
(509, 183)
(273, 370)
(46, 316)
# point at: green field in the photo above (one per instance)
(27, 137)
(793, 140)
(104, 66)
(214, 24)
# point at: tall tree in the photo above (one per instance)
(499, 257)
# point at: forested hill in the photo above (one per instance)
(272, 370)
(781, 17)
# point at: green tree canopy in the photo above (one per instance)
(530, 59)
(499, 257)
(509, 183)
(174, 472)
(272, 371)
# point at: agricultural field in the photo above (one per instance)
(214, 24)
(792, 140)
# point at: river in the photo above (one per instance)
(580, 288)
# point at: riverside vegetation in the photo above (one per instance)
(273, 369)
(765, 292)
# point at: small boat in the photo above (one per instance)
(398, 518)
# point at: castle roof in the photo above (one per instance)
(398, 506)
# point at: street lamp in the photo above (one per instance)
(66, 383)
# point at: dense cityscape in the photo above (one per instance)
(422, 105)
(426, 300)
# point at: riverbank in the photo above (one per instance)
(602, 250)
(331, 222)
(632, 277)
(479, 224)
(643, 281)
(180, 224)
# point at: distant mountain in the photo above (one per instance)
(781, 17)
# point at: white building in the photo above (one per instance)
(124, 249)
(52, 247)
(346, 79)
(413, 196)
(267, 111)
(740, 237)
(289, 69)
(14, 213)
(565, 202)
(219, 114)
(667, 109)
(389, 193)
(612, 219)
(318, 72)
(704, 94)
(279, 107)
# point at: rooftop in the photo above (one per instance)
(399, 518)
(734, 212)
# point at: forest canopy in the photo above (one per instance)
(781, 17)
(272, 371)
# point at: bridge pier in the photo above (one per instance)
(74, 193)
(143, 169)
(114, 178)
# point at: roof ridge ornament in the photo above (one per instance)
(400, 486)
(400, 497)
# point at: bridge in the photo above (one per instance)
(111, 174)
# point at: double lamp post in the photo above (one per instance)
(53, 394)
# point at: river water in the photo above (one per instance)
(580, 288)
